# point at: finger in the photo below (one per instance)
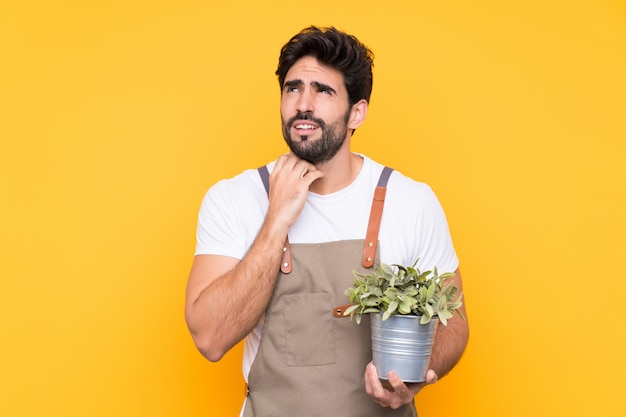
(368, 384)
(280, 161)
(431, 377)
(399, 387)
(302, 169)
(301, 164)
(285, 166)
(290, 161)
(371, 378)
(311, 176)
(374, 387)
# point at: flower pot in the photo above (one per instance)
(403, 345)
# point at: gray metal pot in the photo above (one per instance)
(403, 345)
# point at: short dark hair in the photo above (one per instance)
(335, 49)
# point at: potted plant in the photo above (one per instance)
(408, 304)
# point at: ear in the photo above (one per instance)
(358, 114)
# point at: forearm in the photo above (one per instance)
(226, 298)
(228, 308)
(450, 342)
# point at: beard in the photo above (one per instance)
(320, 150)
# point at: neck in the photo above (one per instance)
(339, 172)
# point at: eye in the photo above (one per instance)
(291, 88)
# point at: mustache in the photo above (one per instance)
(306, 116)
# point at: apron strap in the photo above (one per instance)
(285, 263)
(373, 226)
(371, 238)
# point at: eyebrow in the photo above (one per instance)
(293, 83)
(321, 86)
(316, 84)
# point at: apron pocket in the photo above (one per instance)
(309, 329)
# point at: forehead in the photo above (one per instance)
(308, 69)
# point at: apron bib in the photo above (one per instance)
(311, 360)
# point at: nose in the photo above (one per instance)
(305, 102)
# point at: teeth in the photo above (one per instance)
(299, 127)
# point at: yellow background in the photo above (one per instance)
(116, 116)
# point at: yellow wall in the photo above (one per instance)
(116, 116)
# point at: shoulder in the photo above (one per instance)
(409, 190)
(231, 214)
(399, 184)
(245, 184)
(236, 195)
(401, 181)
(404, 194)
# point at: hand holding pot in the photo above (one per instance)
(394, 393)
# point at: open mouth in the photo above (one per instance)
(304, 128)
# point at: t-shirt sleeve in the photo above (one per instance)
(434, 239)
(217, 230)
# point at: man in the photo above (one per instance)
(272, 262)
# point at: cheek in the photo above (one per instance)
(286, 109)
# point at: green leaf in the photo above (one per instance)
(404, 308)
(393, 306)
(444, 316)
(424, 276)
(454, 305)
(428, 309)
(411, 291)
(387, 269)
(351, 309)
(370, 301)
(431, 290)
(446, 275)
(442, 304)
(397, 289)
(392, 293)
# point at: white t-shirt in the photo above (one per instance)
(413, 224)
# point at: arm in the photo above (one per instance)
(450, 342)
(227, 297)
